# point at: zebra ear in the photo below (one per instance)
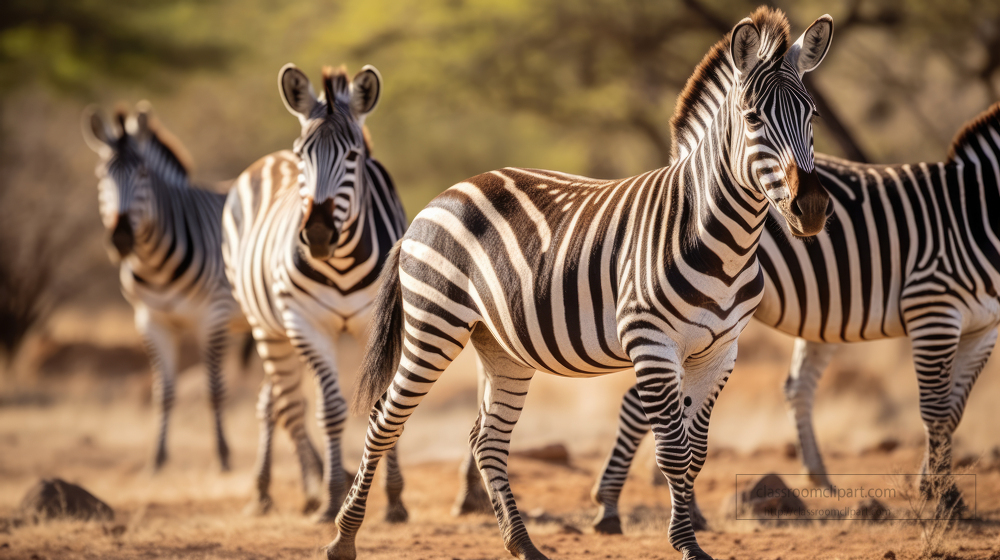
(296, 92)
(810, 49)
(366, 89)
(744, 45)
(97, 133)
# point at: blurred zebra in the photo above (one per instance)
(167, 236)
(305, 235)
(912, 250)
(581, 277)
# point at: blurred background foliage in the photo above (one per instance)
(583, 86)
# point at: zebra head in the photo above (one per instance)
(771, 136)
(332, 149)
(124, 189)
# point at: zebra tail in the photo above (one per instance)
(385, 338)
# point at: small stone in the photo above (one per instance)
(791, 451)
(569, 530)
(873, 510)
(114, 530)
(552, 453)
(885, 446)
(889, 555)
(966, 462)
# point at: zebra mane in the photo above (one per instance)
(337, 97)
(167, 144)
(702, 96)
(336, 87)
(982, 124)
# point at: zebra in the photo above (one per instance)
(166, 234)
(305, 235)
(581, 277)
(910, 252)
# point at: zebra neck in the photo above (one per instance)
(973, 192)
(725, 220)
(165, 164)
(157, 236)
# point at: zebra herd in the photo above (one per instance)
(572, 276)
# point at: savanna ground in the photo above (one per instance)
(79, 408)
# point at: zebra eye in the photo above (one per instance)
(752, 118)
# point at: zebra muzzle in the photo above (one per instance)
(810, 203)
(320, 233)
(122, 237)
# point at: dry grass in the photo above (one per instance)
(96, 430)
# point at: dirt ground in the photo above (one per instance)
(75, 420)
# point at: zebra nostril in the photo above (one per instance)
(796, 207)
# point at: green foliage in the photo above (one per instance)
(71, 43)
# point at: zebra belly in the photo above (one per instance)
(816, 291)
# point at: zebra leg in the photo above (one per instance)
(283, 374)
(162, 346)
(935, 334)
(421, 364)
(809, 361)
(313, 341)
(262, 502)
(659, 374)
(213, 343)
(395, 510)
(505, 391)
(632, 427)
(472, 496)
(971, 356)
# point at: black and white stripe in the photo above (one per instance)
(306, 234)
(580, 277)
(167, 236)
(911, 251)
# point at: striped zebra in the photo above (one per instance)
(911, 251)
(305, 235)
(581, 277)
(167, 236)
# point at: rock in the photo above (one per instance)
(966, 461)
(552, 453)
(889, 555)
(54, 498)
(771, 498)
(885, 446)
(873, 510)
(791, 451)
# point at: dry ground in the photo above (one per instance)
(94, 428)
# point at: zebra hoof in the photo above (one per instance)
(312, 504)
(697, 554)
(341, 549)
(609, 526)
(258, 507)
(396, 513)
